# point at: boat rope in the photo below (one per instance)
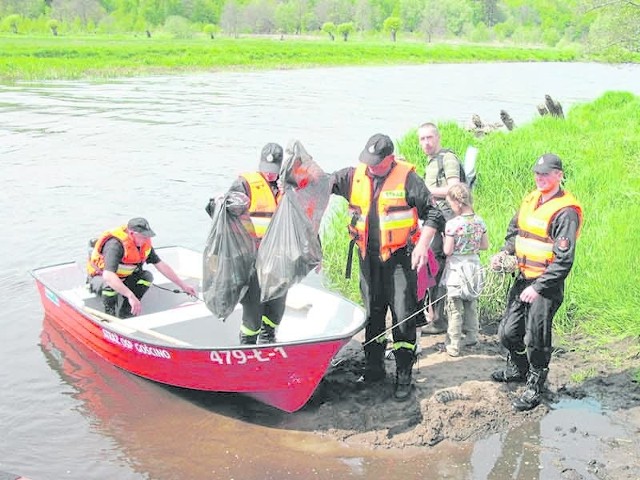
(177, 290)
(335, 363)
(383, 333)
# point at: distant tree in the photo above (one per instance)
(301, 11)
(480, 33)
(363, 15)
(13, 21)
(616, 26)
(84, 11)
(329, 28)
(24, 8)
(392, 25)
(490, 12)
(434, 21)
(411, 12)
(345, 29)
(53, 25)
(457, 14)
(211, 30)
(206, 11)
(285, 18)
(260, 16)
(230, 18)
(505, 30)
(178, 26)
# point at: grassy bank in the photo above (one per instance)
(600, 144)
(41, 58)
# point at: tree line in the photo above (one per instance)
(603, 25)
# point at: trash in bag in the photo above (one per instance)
(291, 246)
(229, 255)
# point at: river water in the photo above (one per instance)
(77, 157)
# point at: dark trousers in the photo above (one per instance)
(389, 285)
(138, 282)
(528, 326)
(253, 310)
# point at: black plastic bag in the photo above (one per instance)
(291, 246)
(229, 255)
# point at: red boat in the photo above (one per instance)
(177, 341)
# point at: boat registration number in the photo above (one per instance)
(240, 357)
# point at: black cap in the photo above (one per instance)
(141, 226)
(271, 158)
(377, 149)
(547, 163)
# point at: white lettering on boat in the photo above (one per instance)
(117, 339)
(242, 357)
(153, 351)
(139, 347)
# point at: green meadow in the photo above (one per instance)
(600, 145)
(100, 56)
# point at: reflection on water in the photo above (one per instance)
(78, 157)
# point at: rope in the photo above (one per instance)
(176, 290)
(383, 333)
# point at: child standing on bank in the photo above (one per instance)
(465, 236)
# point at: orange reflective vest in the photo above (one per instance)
(263, 202)
(398, 221)
(132, 255)
(534, 247)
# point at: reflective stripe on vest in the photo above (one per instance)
(534, 247)
(263, 202)
(132, 255)
(398, 221)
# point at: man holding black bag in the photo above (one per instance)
(387, 199)
(259, 319)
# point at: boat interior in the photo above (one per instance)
(312, 313)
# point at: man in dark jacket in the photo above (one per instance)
(543, 237)
(260, 319)
(386, 200)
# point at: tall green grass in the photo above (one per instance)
(48, 57)
(600, 145)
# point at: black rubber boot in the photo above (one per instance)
(125, 309)
(516, 370)
(267, 335)
(110, 303)
(531, 397)
(110, 310)
(248, 339)
(404, 365)
(374, 370)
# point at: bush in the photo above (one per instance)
(178, 27)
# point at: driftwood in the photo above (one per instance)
(550, 107)
(479, 128)
(507, 120)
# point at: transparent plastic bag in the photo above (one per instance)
(291, 246)
(229, 255)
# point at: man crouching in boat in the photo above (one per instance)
(115, 268)
(260, 319)
(386, 199)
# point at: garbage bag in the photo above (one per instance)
(291, 246)
(229, 255)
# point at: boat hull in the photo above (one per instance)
(281, 375)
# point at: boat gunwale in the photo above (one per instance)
(105, 324)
